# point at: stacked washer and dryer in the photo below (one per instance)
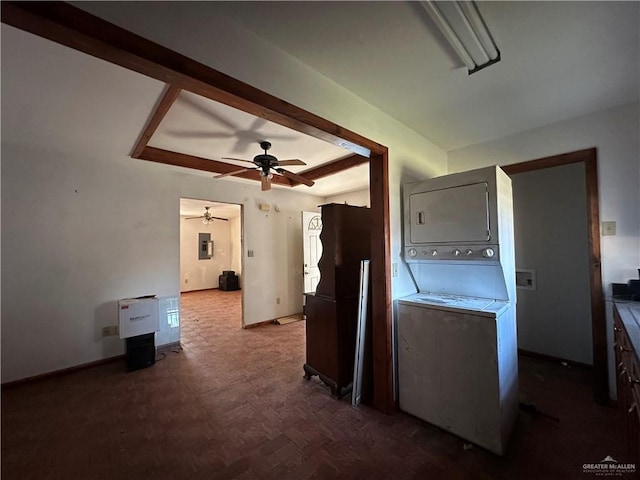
(457, 338)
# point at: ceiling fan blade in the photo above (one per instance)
(208, 112)
(258, 123)
(220, 218)
(297, 178)
(194, 218)
(236, 159)
(242, 144)
(291, 162)
(265, 183)
(275, 136)
(198, 134)
(235, 172)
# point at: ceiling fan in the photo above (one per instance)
(244, 137)
(267, 164)
(207, 217)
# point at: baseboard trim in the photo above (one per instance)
(551, 358)
(260, 324)
(59, 373)
(200, 290)
(168, 347)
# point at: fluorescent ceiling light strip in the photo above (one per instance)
(463, 27)
(481, 57)
(448, 32)
(478, 26)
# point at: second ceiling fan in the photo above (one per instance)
(266, 165)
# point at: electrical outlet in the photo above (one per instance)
(278, 301)
(110, 331)
(186, 280)
(249, 253)
(394, 269)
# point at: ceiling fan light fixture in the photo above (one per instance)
(207, 218)
(265, 165)
(462, 25)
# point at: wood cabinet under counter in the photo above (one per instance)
(626, 330)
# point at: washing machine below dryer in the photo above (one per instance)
(457, 365)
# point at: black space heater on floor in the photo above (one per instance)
(228, 281)
(140, 351)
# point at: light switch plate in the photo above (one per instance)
(608, 228)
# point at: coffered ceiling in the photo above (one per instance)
(201, 127)
(559, 60)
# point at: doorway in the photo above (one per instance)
(587, 158)
(211, 252)
(552, 264)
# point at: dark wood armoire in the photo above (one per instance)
(332, 311)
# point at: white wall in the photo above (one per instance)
(615, 134)
(235, 230)
(196, 274)
(551, 237)
(78, 234)
(359, 198)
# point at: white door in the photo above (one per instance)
(311, 228)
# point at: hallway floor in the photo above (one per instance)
(233, 404)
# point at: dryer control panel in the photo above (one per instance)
(449, 253)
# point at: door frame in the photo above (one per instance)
(73, 27)
(241, 243)
(589, 158)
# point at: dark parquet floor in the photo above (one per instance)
(233, 404)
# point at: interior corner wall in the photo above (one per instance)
(614, 132)
(201, 274)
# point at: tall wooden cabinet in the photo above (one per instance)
(331, 312)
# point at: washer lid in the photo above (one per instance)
(482, 306)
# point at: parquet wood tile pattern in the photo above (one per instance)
(233, 404)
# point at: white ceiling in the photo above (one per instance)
(198, 126)
(205, 128)
(559, 60)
